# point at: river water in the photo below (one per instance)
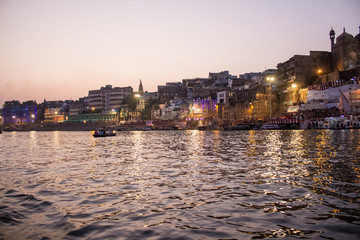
(180, 185)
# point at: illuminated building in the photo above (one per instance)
(15, 113)
(53, 115)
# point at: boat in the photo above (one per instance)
(104, 133)
(269, 126)
(201, 128)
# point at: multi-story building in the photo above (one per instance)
(171, 91)
(79, 106)
(251, 78)
(303, 70)
(222, 79)
(16, 113)
(53, 115)
(107, 97)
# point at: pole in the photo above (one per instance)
(270, 98)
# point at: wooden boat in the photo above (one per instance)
(104, 133)
(270, 126)
(201, 128)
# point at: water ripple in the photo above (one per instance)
(180, 185)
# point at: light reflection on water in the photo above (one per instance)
(180, 185)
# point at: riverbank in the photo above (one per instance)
(61, 127)
(352, 122)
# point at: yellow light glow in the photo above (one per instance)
(33, 115)
(93, 108)
(137, 95)
(270, 79)
(293, 85)
(319, 71)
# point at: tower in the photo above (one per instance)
(141, 90)
(332, 38)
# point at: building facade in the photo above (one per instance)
(107, 97)
(171, 91)
(345, 51)
(16, 113)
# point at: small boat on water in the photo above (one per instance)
(104, 133)
(270, 126)
(201, 128)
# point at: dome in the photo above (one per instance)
(344, 36)
(358, 36)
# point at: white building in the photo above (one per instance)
(338, 97)
(108, 97)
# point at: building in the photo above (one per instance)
(108, 116)
(170, 91)
(355, 101)
(344, 60)
(338, 94)
(221, 79)
(251, 78)
(345, 51)
(79, 106)
(16, 113)
(303, 70)
(53, 115)
(107, 98)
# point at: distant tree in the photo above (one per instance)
(40, 112)
(131, 101)
(146, 114)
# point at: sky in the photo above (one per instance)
(61, 49)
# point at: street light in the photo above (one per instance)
(270, 79)
(138, 98)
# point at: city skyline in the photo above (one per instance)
(62, 49)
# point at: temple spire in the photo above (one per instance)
(141, 89)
